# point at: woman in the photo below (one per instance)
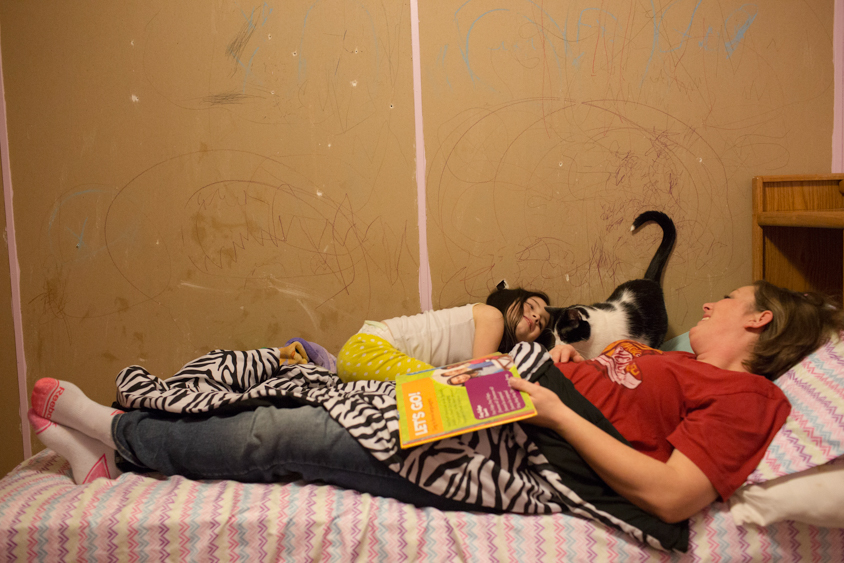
(267, 443)
(408, 344)
(682, 412)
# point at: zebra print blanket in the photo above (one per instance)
(499, 468)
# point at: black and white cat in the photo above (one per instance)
(634, 311)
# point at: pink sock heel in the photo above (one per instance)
(39, 423)
(44, 396)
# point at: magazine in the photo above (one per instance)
(459, 398)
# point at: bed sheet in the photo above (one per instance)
(45, 517)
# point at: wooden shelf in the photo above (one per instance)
(798, 232)
(815, 219)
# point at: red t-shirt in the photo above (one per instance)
(723, 421)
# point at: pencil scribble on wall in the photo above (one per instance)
(264, 226)
(289, 215)
(330, 66)
(260, 183)
(558, 123)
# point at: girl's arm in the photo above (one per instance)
(672, 491)
(489, 329)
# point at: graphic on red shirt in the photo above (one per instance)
(617, 362)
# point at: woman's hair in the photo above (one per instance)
(801, 323)
(503, 299)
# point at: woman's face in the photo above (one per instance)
(534, 319)
(722, 317)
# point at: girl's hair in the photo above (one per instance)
(802, 322)
(503, 300)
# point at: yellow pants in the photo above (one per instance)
(366, 356)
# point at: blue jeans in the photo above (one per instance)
(264, 445)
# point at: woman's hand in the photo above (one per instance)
(549, 407)
(562, 353)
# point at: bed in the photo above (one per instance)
(44, 516)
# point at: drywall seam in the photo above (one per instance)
(14, 268)
(838, 103)
(425, 290)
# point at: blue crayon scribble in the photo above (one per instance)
(245, 35)
(443, 53)
(503, 46)
(703, 42)
(266, 10)
(733, 43)
(685, 34)
(597, 20)
(549, 42)
(465, 52)
(267, 14)
(247, 67)
(80, 242)
(299, 69)
(80, 237)
(653, 45)
(581, 23)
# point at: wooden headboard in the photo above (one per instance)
(798, 232)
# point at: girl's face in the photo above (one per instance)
(534, 319)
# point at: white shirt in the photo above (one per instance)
(438, 337)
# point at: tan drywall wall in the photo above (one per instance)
(11, 453)
(550, 126)
(194, 175)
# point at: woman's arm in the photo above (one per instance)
(671, 491)
(489, 329)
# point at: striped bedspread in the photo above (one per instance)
(44, 517)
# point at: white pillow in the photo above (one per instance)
(814, 496)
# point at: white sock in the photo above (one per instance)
(65, 403)
(89, 458)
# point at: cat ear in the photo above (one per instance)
(502, 285)
(573, 314)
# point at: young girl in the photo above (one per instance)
(382, 350)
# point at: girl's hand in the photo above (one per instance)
(549, 408)
(562, 353)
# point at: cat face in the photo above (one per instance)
(570, 324)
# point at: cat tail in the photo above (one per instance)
(669, 236)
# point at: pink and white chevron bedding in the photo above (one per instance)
(814, 432)
(44, 517)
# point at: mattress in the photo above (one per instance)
(45, 517)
